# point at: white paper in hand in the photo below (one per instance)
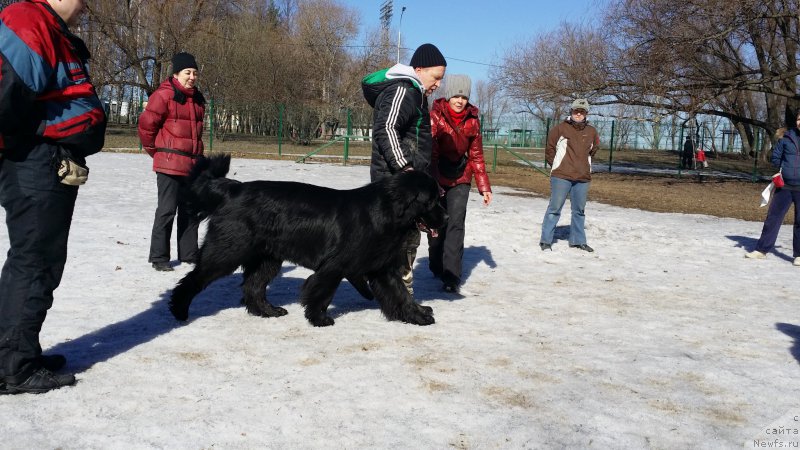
(766, 193)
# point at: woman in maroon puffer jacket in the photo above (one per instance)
(171, 129)
(457, 157)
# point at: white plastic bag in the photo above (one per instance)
(766, 193)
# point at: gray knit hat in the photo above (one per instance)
(580, 103)
(456, 85)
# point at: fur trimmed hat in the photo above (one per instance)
(456, 85)
(427, 55)
(182, 61)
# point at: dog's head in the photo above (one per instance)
(415, 197)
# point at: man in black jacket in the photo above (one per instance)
(401, 123)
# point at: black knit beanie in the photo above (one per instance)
(427, 55)
(182, 61)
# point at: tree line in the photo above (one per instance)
(260, 61)
(301, 61)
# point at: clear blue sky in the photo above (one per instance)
(475, 31)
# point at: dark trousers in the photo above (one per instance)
(782, 199)
(687, 160)
(446, 250)
(38, 217)
(169, 200)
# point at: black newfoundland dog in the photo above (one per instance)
(358, 234)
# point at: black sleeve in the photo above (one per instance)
(395, 111)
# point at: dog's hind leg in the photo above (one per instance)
(316, 295)
(396, 303)
(257, 275)
(191, 285)
(214, 263)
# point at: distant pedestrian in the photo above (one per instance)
(50, 120)
(687, 156)
(401, 123)
(786, 156)
(569, 150)
(457, 158)
(701, 158)
(171, 131)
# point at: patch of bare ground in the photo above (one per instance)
(688, 194)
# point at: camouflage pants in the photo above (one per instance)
(411, 252)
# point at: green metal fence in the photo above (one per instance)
(305, 133)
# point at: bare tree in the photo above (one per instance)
(736, 60)
(261, 62)
(323, 28)
(488, 97)
(141, 36)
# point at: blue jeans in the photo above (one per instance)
(782, 199)
(559, 190)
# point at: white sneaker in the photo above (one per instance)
(796, 261)
(755, 254)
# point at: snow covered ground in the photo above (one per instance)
(665, 337)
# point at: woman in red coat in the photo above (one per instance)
(457, 157)
(171, 129)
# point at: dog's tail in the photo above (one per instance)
(207, 188)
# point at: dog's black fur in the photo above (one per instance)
(356, 234)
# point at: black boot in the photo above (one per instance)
(583, 247)
(39, 382)
(162, 266)
(450, 282)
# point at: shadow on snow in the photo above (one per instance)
(793, 331)
(225, 293)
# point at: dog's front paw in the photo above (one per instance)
(418, 315)
(275, 311)
(266, 311)
(322, 321)
(421, 319)
(425, 309)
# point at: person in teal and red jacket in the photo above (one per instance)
(171, 129)
(456, 158)
(50, 117)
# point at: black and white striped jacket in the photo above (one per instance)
(401, 123)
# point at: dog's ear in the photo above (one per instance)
(400, 197)
(404, 206)
(411, 193)
(217, 165)
(220, 164)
